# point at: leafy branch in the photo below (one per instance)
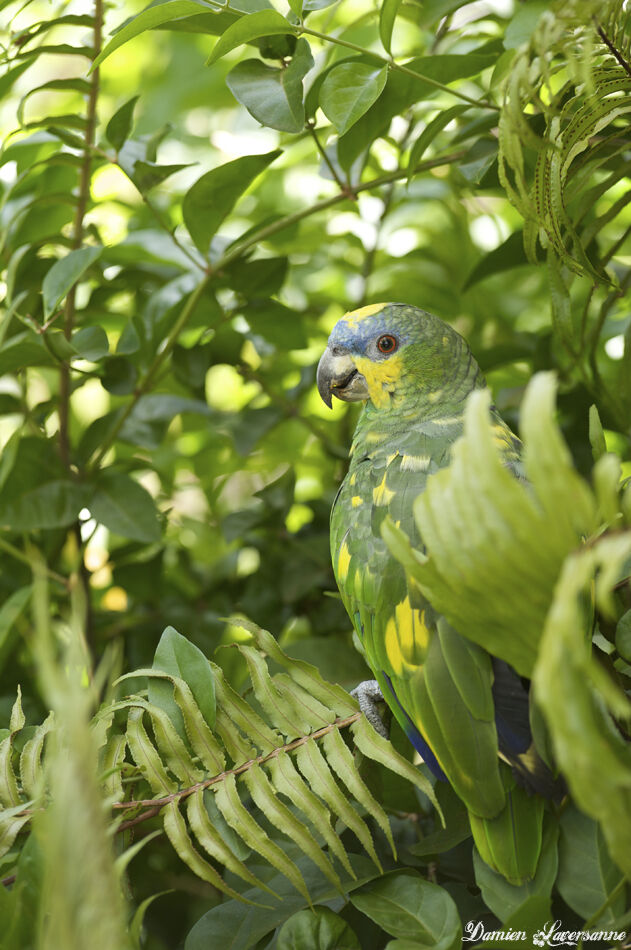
(234, 253)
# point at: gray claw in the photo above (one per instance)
(368, 694)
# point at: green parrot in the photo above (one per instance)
(466, 713)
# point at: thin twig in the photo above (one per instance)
(612, 49)
(327, 161)
(398, 67)
(239, 248)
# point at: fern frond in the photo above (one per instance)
(286, 763)
(573, 77)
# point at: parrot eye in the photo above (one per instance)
(386, 343)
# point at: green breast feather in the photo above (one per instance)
(444, 690)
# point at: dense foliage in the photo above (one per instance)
(191, 196)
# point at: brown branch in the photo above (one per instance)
(78, 232)
(153, 805)
(612, 49)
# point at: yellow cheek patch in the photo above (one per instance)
(343, 561)
(354, 318)
(381, 377)
(382, 495)
(406, 638)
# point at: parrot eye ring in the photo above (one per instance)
(387, 343)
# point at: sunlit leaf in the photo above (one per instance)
(119, 127)
(64, 274)
(213, 196)
(149, 19)
(349, 91)
(248, 28)
(273, 95)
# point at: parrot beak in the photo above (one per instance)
(338, 376)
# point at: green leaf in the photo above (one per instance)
(24, 349)
(149, 19)
(456, 824)
(169, 748)
(147, 175)
(503, 898)
(524, 23)
(64, 274)
(179, 657)
(623, 636)
(349, 90)
(10, 610)
(318, 929)
(305, 674)
(387, 16)
(242, 928)
(408, 907)
(401, 91)
(273, 96)
(596, 434)
(509, 254)
(214, 195)
(54, 504)
(575, 696)
(90, 343)
(430, 132)
(11, 823)
(249, 28)
(120, 125)
(587, 875)
(119, 377)
(125, 507)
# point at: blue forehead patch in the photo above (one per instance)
(357, 329)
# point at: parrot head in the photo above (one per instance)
(387, 352)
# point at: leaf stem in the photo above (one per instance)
(397, 67)
(325, 158)
(24, 559)
(603, 907)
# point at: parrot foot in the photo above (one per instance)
(368, 694)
